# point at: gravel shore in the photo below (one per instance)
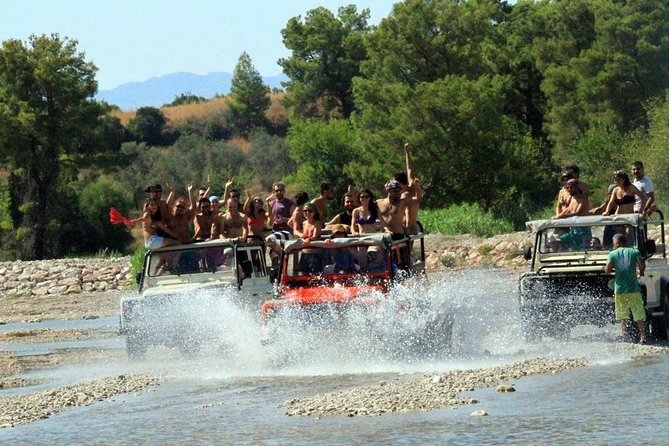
(438, 390)
(24, 408)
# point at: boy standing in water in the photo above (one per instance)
(627, 290)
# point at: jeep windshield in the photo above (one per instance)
(190, 259)
(336, 258)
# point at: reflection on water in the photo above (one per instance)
(233, 398)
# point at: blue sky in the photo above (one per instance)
(133, 40)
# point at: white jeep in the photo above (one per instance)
(175, 280)
(567, 285)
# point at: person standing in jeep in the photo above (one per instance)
(627, 290)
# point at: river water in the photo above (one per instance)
(233, 398)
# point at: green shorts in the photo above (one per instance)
(630, 301)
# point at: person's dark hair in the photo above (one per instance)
(157, 216)
(637, 164)
(313, 207)
(401, 177)
(345, 196)
(325, 187)
(252, 205)
(204, 200)
(233, 191)
(567, 175)
(623, 175)
(301, 198)
(373, 208)
(574, 168)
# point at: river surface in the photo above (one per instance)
(233, 398)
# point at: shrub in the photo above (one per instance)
(463, 219)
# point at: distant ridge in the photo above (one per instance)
(158, 91)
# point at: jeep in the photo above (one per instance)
(174, 279)
(329, 277)
(567, 285)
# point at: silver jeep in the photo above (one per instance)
(177, 282)
(567, 285)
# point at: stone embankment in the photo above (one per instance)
(499, 251)
(69, 276)
(64, 276)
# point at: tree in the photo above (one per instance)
(249, 98)
(46, 114)
(327, 52)
(147, 126)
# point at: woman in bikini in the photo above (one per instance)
(298, 218)
(312, 225)
(156, 233)
(363, 218)
(257, 218)
(623, 195)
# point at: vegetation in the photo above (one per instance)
(495, 98)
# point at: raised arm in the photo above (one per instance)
(247, 204)
(409, 163)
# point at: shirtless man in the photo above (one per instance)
(179, 220)
(203, 221)
(578, 203)
(327, 194)
(232, 224)
(392, 209)
(410, 187)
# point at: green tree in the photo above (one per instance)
(187, 98)
(322, 152)
(326, 56)
(46, 115)
(249, 98)
(147, 126)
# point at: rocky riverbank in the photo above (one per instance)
(74, 276)
(64, 276)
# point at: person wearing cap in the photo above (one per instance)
(623, 196)
(215, 205)
(626, 284)
(376, 260)
(392, 209)
(554, 244)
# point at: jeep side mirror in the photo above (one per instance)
(650, 247)
(527, 252)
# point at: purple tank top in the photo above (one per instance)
(280, 209)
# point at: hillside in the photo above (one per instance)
(158, 91)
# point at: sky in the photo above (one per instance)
(134, 40)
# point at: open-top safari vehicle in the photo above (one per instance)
(178, 282)
(325, 281)
(567, 285)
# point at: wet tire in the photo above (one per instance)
(135, 347)
(658, 324)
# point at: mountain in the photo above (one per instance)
(158, 91)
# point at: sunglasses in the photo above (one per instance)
(179, 206)
(308, 210)
(279, 190)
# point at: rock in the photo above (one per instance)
(436, 379)
(505, 388)
(479, 413)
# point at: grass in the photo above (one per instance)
(463, 219)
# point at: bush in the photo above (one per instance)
(463, 219)
(137, 261)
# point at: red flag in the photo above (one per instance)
(115, 218)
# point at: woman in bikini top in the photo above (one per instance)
(364, 217)
(623, 195)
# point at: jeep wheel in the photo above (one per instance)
(135, 346)
(658, 324)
